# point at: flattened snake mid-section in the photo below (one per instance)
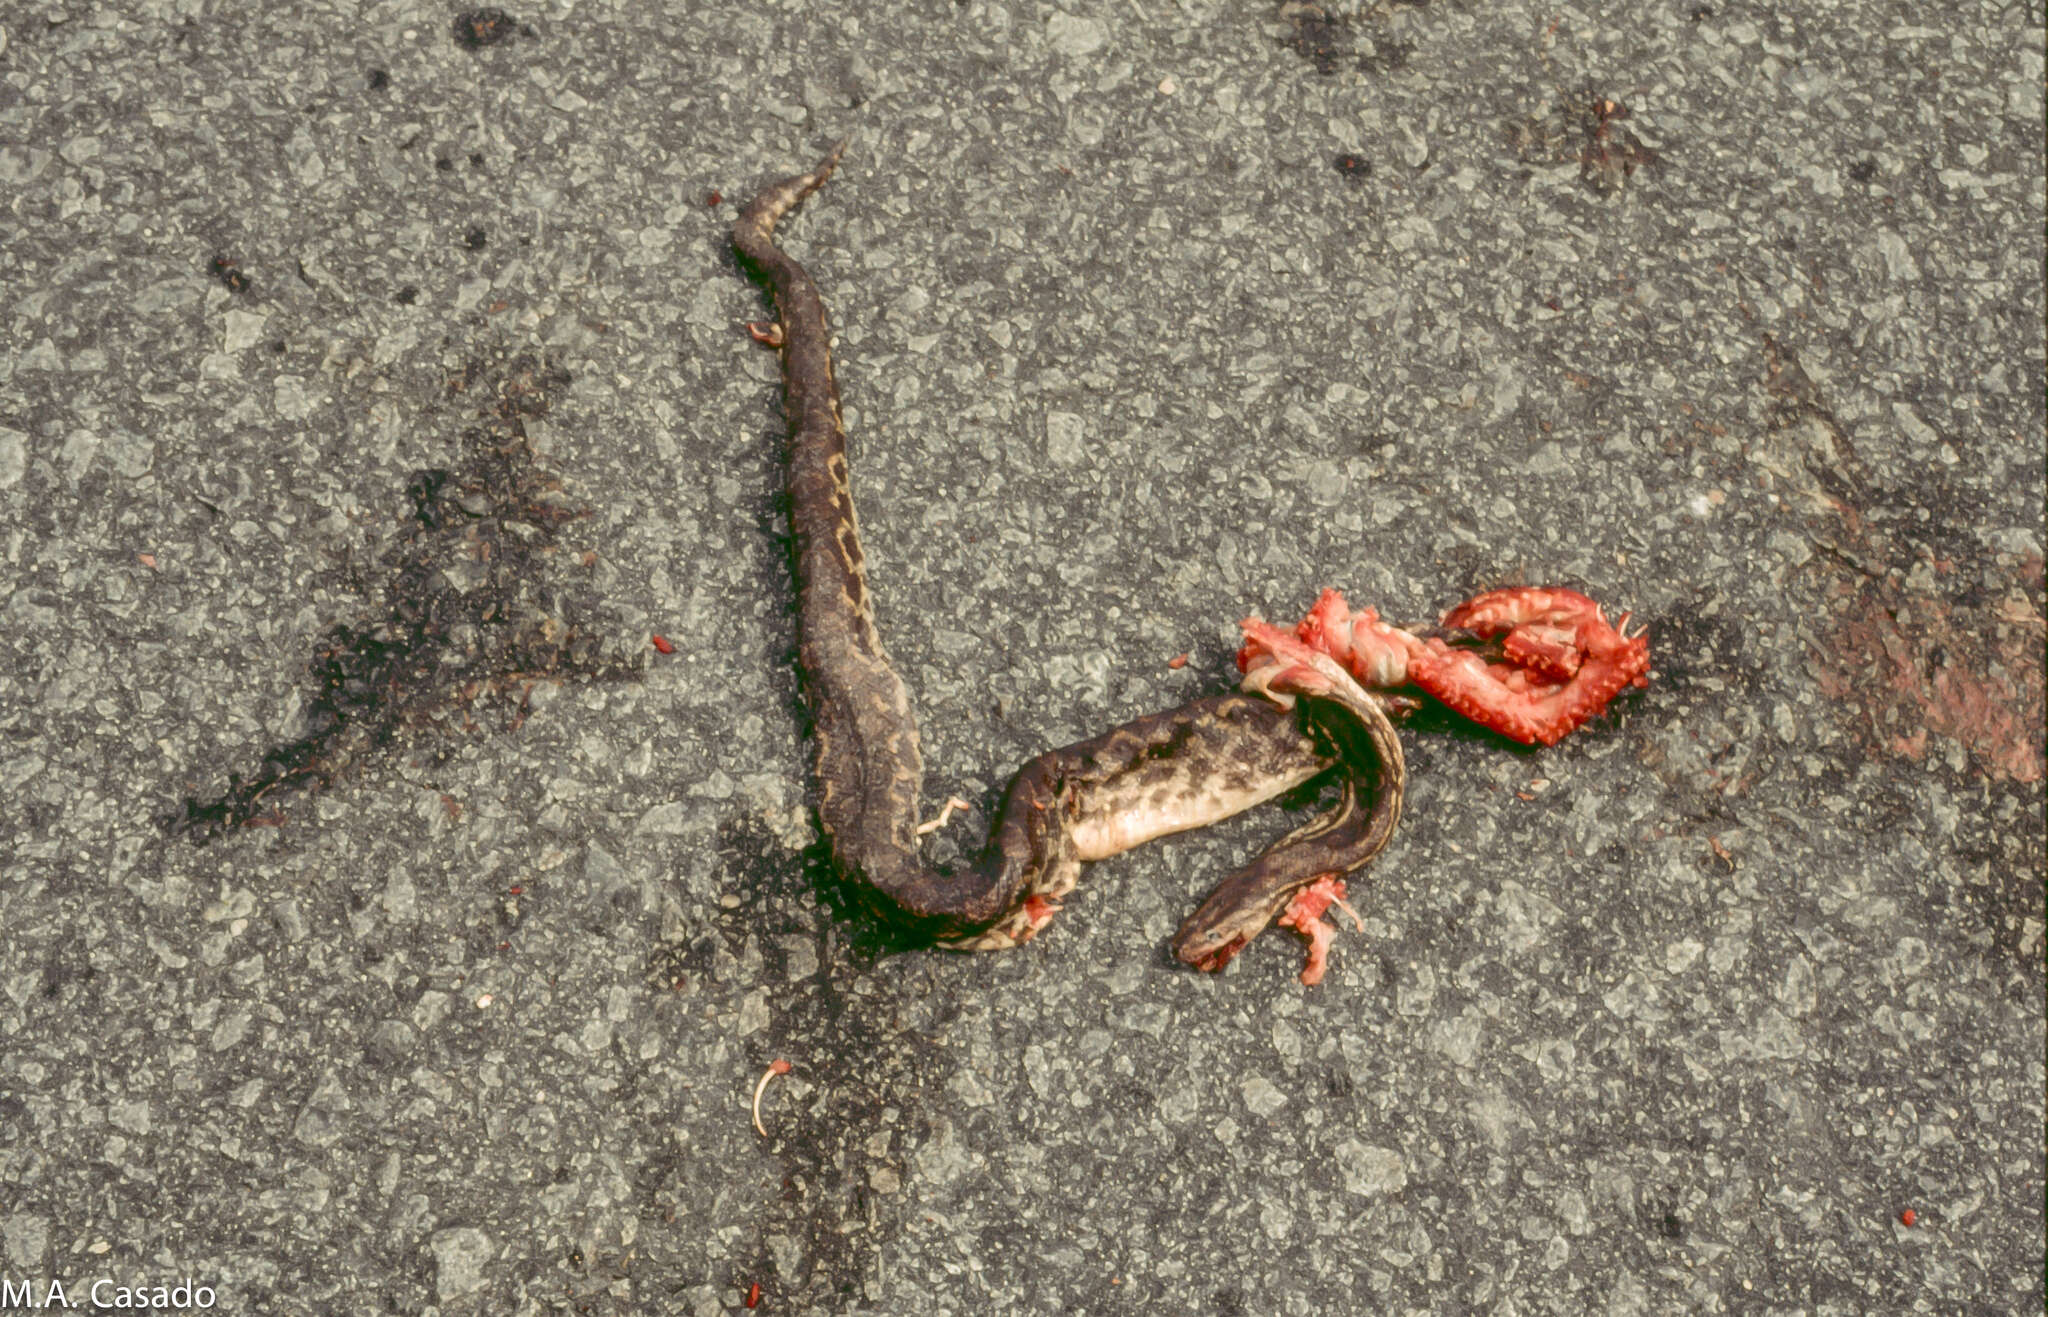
(1163, 773)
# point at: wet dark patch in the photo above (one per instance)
(844, 1036)
(1591, 129)
(1916, 645)
(1317, 35)
(1695, 646)
(875, 926)
(1326, 40)
(679, 966)
(1385, 56)
(476, 28)
(1610, 153)
(1925, 643)
(1660, 1217)
(67, 973)
(230, 274)
(2003, 894)
(1899, 664)
(428, 652)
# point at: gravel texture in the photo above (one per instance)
(390, 929)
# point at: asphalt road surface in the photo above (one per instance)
(391, 928)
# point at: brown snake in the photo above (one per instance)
(1162, 773)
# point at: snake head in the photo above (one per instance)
(1297, 878)
(1228, 921)
(1238, 910)
(1210, 958)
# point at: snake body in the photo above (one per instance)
(1168, 771)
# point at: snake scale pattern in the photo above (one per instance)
(1163, 773)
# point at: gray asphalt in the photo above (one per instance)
(390, 929)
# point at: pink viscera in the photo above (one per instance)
(1278, 665)
(1304, 914)
(1376, 653)
(1038, 912)
(1562, 661)
(1560, 664)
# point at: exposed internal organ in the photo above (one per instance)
(1548, 659)
(1304, 914)
(1531, 664)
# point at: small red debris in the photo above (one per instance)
(1177, 662)
(711, 200)
(146, 559)
(485, 27)
(661, 643)
(1038, 912)
(225, 271)
(516, 891)
(754, 1295)
(1214, 962)
(1908, 1217)
(1304, 914)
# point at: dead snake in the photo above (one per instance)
(1162, 773)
